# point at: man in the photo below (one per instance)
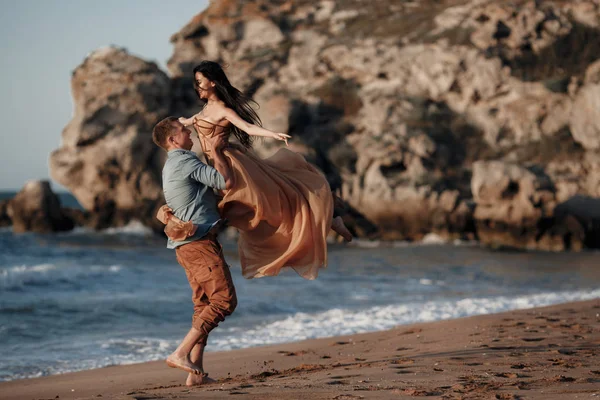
(188, 187)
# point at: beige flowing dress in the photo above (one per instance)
(281, 205)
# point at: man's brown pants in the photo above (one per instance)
(213, 292)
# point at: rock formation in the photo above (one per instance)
(470, 119)
(107, 158)
(4, 218)
(37, 209)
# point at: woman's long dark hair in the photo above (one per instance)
(231, 96)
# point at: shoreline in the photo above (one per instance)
(543, 353)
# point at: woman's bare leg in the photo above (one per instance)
(339, 227)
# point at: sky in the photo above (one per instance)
(42, 42)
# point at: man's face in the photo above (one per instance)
(181, 139)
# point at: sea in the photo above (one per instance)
(85, 299)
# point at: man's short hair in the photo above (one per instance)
(162, 131)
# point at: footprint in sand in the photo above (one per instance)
(293, 353)
(345, 376)
(510, 375)
(562, 378)
(519, 366)
(403, 361)
(265, 374)
(567, 352)
(411, 331)
(422, 392)
(507, 396)
(337, 383)
(557, 361)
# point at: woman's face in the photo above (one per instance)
(205, 86)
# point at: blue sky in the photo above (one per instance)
(42, 42)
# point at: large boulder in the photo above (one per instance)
(4, 218)
(107, 158)
(585, 117)
(515, 207)
(37, 209)
(584, 210)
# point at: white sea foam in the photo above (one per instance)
(345, 322)
(124, 351)
(24, 269)
(430, 239)
(132, 228)
(45, 274)
(141, 347)
(307, 326)
(433, 238)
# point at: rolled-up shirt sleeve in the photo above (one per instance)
(200, 172)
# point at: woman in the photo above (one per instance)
(282, 205)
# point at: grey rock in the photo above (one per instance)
(37, 209)
(107, 155)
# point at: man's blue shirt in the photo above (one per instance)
(188, 187)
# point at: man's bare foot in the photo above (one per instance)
(197, 380)
(338, 226)
(183, 363)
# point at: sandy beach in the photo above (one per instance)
(543, 353)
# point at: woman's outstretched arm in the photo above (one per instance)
(251, 129)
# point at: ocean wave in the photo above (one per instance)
(430, 239)
(133, 228)
(336, 322)
(122, 352)
(21, 276)
(301, 326)
(143, 347)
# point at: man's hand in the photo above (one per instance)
(217, 142)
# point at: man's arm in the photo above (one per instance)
(205, 174)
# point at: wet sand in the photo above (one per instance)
(543, 353)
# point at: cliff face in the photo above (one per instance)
(465, 118)
(107, 159)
